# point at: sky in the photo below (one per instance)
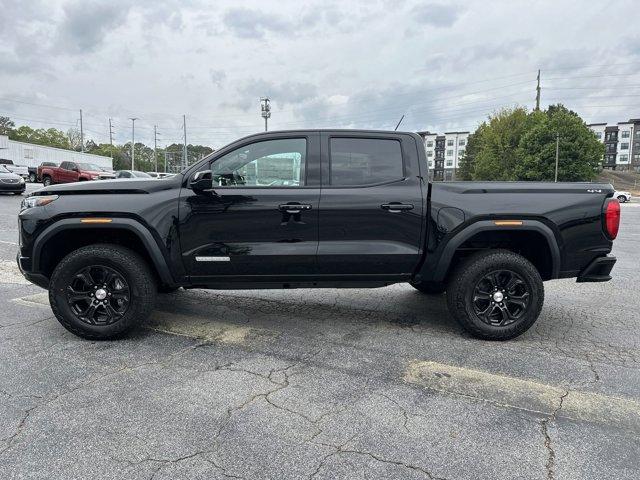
(444, 65)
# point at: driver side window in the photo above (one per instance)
(270, 163)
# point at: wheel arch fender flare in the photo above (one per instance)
(143, 233)
(469, 231)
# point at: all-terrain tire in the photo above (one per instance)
(133, 268)
(461, 292)
(430, 288)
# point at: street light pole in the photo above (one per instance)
(265, 110)
(557, 150)
(133, 142)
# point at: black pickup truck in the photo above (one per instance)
(313, 209)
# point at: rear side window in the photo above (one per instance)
(365, 161)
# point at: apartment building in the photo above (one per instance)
(621, 144)
(444, 152)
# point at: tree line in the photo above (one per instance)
(515, 144)
(512, 144)
(121, 154)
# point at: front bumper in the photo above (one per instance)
(598, 270)
(12, 187)
(24, 264)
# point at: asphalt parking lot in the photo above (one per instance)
(323, 384)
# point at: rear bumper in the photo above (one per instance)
(598, 270)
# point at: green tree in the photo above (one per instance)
(579, 151)
(6, 126)
(496, 154)
(518, 145)
(468, 161)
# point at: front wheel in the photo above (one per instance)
(46, 181)
(100, 291)
(495, 295)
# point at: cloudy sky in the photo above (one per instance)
(363, 64)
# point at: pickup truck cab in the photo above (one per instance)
(313, 209)
(72, 172)
(19, 170)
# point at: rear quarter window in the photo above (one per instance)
(364, 161)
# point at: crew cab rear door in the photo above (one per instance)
(260, 218)
(371, 205)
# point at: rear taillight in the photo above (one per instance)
(612, 217)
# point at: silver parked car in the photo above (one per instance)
(131, 174)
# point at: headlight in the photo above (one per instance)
(21, 180)
(37, 201)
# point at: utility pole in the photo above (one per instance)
(155, 146)
(111, 135)
(538, 92)
(185, 161)
(81, 133)
(557, 150)
(111, 140)
(265, 107)
(133, 142)
(165, 160)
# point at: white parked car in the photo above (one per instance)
(622, 196)
(13, 168)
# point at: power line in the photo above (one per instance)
(582, 67)
(595, 76)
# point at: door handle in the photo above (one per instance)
(294, 207)
(396, 207)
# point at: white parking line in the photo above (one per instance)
(525, 394)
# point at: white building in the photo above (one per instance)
(621, 144)
(31, 155)
(444, 153)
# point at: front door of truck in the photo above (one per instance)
(371, 207)
(67, 172)
(260, 216)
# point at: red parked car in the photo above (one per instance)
(72, 172)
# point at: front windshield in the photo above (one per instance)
(89, 167)
(4, 169)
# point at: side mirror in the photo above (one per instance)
(201, 181)
(76, 169)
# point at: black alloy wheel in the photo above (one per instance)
(98, 295)
(495, 294)
(100, 291)
(500, 298)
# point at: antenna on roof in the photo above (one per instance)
(401, 118)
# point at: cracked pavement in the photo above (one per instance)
(324, 384)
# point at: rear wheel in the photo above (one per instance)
(33, 177)
(430, 288)
(495, 295)
(101, 291)
(622, 198)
